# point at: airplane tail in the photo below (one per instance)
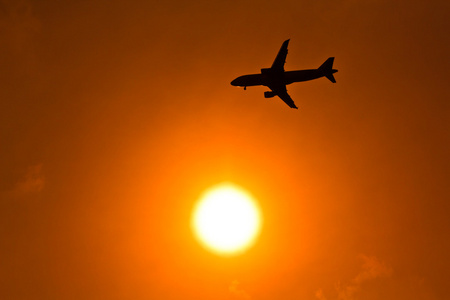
(327, 69)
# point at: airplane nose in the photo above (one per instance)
(234, 82)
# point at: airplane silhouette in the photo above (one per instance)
(276, 78)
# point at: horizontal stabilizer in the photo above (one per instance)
(331, 78)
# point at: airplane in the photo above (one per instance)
(276, 78)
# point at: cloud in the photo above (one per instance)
(320, 295)
(33, 181)
(237, 292)
(372, 268)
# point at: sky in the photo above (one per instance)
(115, 116)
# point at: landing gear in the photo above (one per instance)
(245, 88)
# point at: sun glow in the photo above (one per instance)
(226, 219)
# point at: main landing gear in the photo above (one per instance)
(245, 88)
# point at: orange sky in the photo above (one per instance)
(116, 115)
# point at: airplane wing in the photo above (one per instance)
(287, 99)
(281, 92)
(279, 61)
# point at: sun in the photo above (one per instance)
(226, 219)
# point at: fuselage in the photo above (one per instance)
(285, 77)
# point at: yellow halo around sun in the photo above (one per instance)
(226, 219)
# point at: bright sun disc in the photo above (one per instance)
(226, 219)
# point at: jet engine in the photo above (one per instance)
(269, 94)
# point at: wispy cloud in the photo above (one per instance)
(372, 268)
(320, 295)
(237, 292)
(33, 180)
